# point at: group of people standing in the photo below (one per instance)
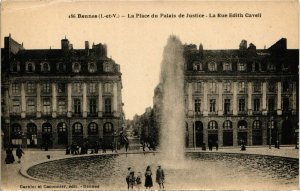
(132, 181)
(10, 156)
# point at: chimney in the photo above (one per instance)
(243, 45)
(87, 46)
(201, 50)
(65, 44)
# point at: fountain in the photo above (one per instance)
(190, 170)
(172, 82)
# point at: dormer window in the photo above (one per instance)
(285, 66)
(61, 67)
(197, 66)
(212, 66)
(227, 66)
(76, 67)
(15, 67)
(241, 67)
(92, 67)
(30, 67)
(271, 67)
(107, 67)
(45, 67)
(256, 67)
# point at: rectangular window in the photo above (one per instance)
(93, 106)
(46, 88)
(256, 87)
(62, 107)
(285, 104)
(107, 87)
(77, 106)
(242, 87)
(212, 105)
(107, 105)
(15, 88)
(226, 106)
(227, 87)
(197, 105)
(271, 87)
(46, 106)
(16, 106)
(92, 88)
(241, 67)
(242, 104)
(212, 87)
(256, 104)
(61, 88)
(77, 88)
(31, 88)
(198, 86)
(30, 106)
(271, 104)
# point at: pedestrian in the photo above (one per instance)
(126, 145)
(144, 146)
(127, 177)
(210, 145)
(138, 181)
(217, 145)
(67, 150)
(160, 177)
(103, 148)
(19, 153)
(148, 178)
(131, 180)
(9, 156)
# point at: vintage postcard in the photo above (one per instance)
(154, 95)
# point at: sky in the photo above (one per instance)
(137, 43)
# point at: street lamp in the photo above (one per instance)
(194, 131)
(271, 126)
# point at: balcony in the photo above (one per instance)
(242, 113)
(257, 112)
(107, 114)
(92, 114)
(228, 112)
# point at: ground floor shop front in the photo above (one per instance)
(234, 131)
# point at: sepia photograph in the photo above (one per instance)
(152, 95)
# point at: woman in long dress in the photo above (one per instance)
(148, 178)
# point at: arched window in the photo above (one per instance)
(108, 128)
(107, 67)
(256, 124)
(93, 128)
(61, 67)
(30, 67)
(45, 67)
(227, 66)
(47, 128)
(15, 67)
(197, 66)
(31, 128)
(199, 126)
(227, 125)
(76, 67)
(77, 128)
(16, 131)
(212, 66)
(92, 67)
(62, 127)
(212, 125)
(242, 124)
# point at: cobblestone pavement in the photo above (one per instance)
(11, 179)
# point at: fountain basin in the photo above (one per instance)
(202, 171)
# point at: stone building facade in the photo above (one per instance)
(235, 96)
(60, 96)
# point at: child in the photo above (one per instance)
(138, 180)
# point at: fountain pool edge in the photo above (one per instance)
(25, 168)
